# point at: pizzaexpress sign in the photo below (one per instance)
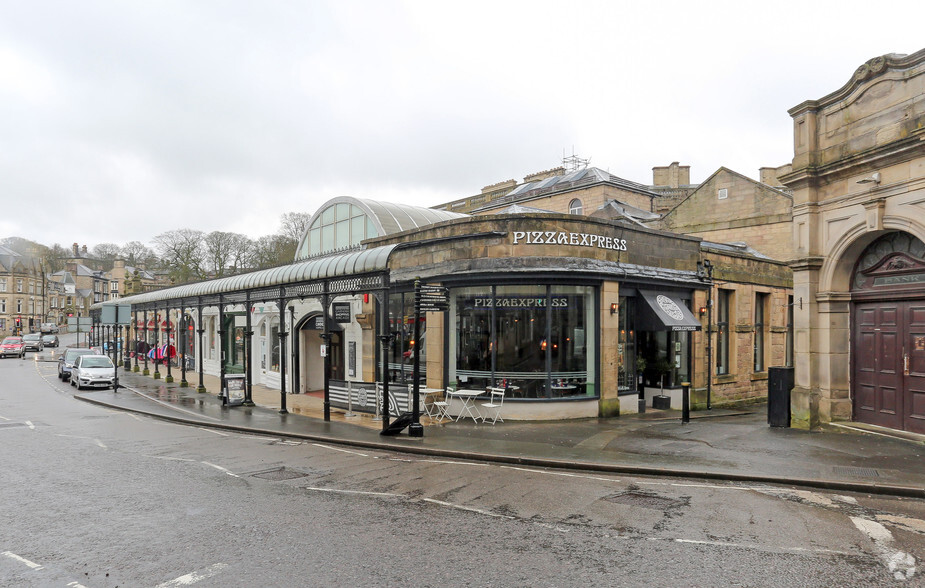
(566, 238)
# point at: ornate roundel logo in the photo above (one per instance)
(669, 306)
(361, 397)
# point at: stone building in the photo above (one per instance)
(858, 181)
(22, 292)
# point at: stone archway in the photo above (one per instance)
(888, 333)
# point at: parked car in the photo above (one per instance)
(33, 342)
(67, 359)
(50, 340)
(96, 371)
(13, 347)
(49, 328)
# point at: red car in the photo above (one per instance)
(13, 347)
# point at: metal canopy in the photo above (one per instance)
(665, 312)
(345, 273)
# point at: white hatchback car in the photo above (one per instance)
(95, 371)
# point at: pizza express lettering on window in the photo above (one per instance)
(519, 302)
(564, 238)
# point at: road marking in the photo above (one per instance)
(3, 417)
(75, 585)
(167, 457)
(342, 450)
(564, 474)
(194, 577)
(468, 508)
(30, 425)
(213, 431)
(360, 492)
(31, 564)
(97, 441)
(220, 468)
(900, 564)
(170, 405)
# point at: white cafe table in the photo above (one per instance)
(467, 398)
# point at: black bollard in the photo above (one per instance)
(685, 402)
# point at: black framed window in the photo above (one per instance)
(760, 339)
(723, 310)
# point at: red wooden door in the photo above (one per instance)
(888, 379)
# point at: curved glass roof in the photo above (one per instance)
(342, 223)
(319, 268)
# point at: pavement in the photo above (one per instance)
(719, 444)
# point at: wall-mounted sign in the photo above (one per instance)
(519, 302)
(342, 312)
(564, 238)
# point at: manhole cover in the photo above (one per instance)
(278, 475)
(858, 472)
(643, 500)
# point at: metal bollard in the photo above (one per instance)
(685, 402)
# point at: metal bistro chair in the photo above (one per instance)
(495, 402)
(441, 408)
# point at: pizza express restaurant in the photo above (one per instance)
(577, 317)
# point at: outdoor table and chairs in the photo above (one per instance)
(467, 400)
(494, 404)
(429, 403)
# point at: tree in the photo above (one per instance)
(181, 252)
(107, 253)
(293, 225)
(225, 252)
(269, 251)
(136, 254)
(56, 258)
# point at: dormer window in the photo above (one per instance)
(575, 207)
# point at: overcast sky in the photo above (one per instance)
(121, 120)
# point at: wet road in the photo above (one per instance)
(92, 497)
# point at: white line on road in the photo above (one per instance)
(468, 509)
(75, 585)
(360, 492)
(194, 577)
(900, 564)
(220, 468)
(97, 441)
(30, 425)
(170, 458)
(339, 449)
(565, 474)
(220, 433)
(3, 417)
(31, 564)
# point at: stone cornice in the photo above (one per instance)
(806, 263)
(868, 70)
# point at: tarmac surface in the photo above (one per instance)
(721, 444)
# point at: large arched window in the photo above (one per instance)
(575, 207)
(339, 226)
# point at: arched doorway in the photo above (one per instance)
(311, 361)
(888, 333)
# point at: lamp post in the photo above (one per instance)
(705, 272)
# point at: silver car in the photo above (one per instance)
(93, 371)
(33, 342)
(67, 359)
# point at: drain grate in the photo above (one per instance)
(857, 472)
(279, 474)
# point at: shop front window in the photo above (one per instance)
(404, 347)
(626, 345)
(274, 346)
(536, 340)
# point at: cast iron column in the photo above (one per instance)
(281, 309)
(157, 328)
(169, 377)
(183, 344)
(147, 345)
(201, 330)
(248, 354)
